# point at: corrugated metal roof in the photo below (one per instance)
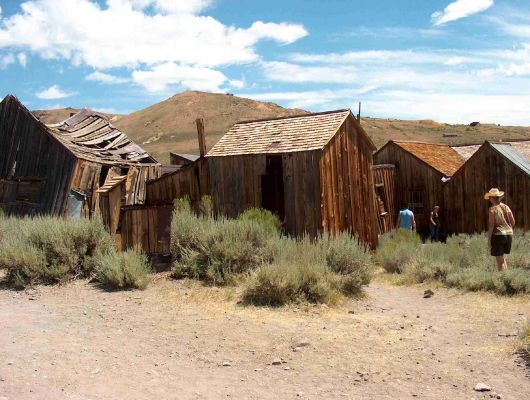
(511, 152)
(522, 147)
(467, 151)
(92, 137)
(281, 135)
(441, 157)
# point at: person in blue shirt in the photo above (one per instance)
(406, 219)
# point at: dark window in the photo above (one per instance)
(381, 199)
(415, 202)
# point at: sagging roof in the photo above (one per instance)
(466, 151)
(442, 157)
(281, 135)
(518, 153)
(92, 137)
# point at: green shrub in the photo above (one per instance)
(265, 218)
(349, 258)
(276, 285)
(397, 249)
(318, 271)
(463, 262)
(50, 250)
(123, 270)
(217, 250)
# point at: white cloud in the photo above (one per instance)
(460, 9)
(123, 33)
(287, 72)
(6, 60)
(103, 77)
(22, 59)
(174, 6)
(53, 93)
(159, 78)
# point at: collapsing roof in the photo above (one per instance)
(442, 157)
(92, 137)
(281, 135)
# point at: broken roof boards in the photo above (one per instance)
(313, 171)
(40, 165)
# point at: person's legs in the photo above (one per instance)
(501, 263)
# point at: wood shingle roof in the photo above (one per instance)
(442, 157)
(281, 135)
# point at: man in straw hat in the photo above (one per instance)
(500, 223)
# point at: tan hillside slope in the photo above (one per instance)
(57, 115)
(383, 130)
(170, 124)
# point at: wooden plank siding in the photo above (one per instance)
(385, 184)
(464, 194)
(413, 175)
(146, 228)
(30, 155)
(189, 181)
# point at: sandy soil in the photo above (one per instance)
(178, 340)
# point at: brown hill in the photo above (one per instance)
(170, 125)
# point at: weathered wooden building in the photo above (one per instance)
(503, 165)
(313, 171)
(385, 196)
(421, 172)
(63, 169)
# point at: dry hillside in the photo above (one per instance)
(169, 125)
(60, 114)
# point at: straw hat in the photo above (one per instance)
(494, 192)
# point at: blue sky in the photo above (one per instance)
(448, 60)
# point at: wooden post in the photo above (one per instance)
(359, 113)
(202, 138)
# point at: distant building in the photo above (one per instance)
(422, 169)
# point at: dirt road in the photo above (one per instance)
(178, 340)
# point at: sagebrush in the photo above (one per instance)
(462, 262)
(278, 269)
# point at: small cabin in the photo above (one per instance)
(504, 165)
(422, 169)
(313, 171)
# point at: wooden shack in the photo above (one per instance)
(504, 165)
(385, 196)
(59, 169)
(313, 171)
(422, 169)
(181, 159)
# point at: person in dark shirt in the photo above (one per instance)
(434, 224)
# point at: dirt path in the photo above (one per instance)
(171, 341)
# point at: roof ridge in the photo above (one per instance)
(293, 116)
(419, 142)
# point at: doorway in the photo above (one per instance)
(272, 190)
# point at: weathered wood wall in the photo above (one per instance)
(464, 194)
(146, 228)
(29, 155)
(385, 184)
(413, 174)
(235, 182)
(190, 181)
(347, 193)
